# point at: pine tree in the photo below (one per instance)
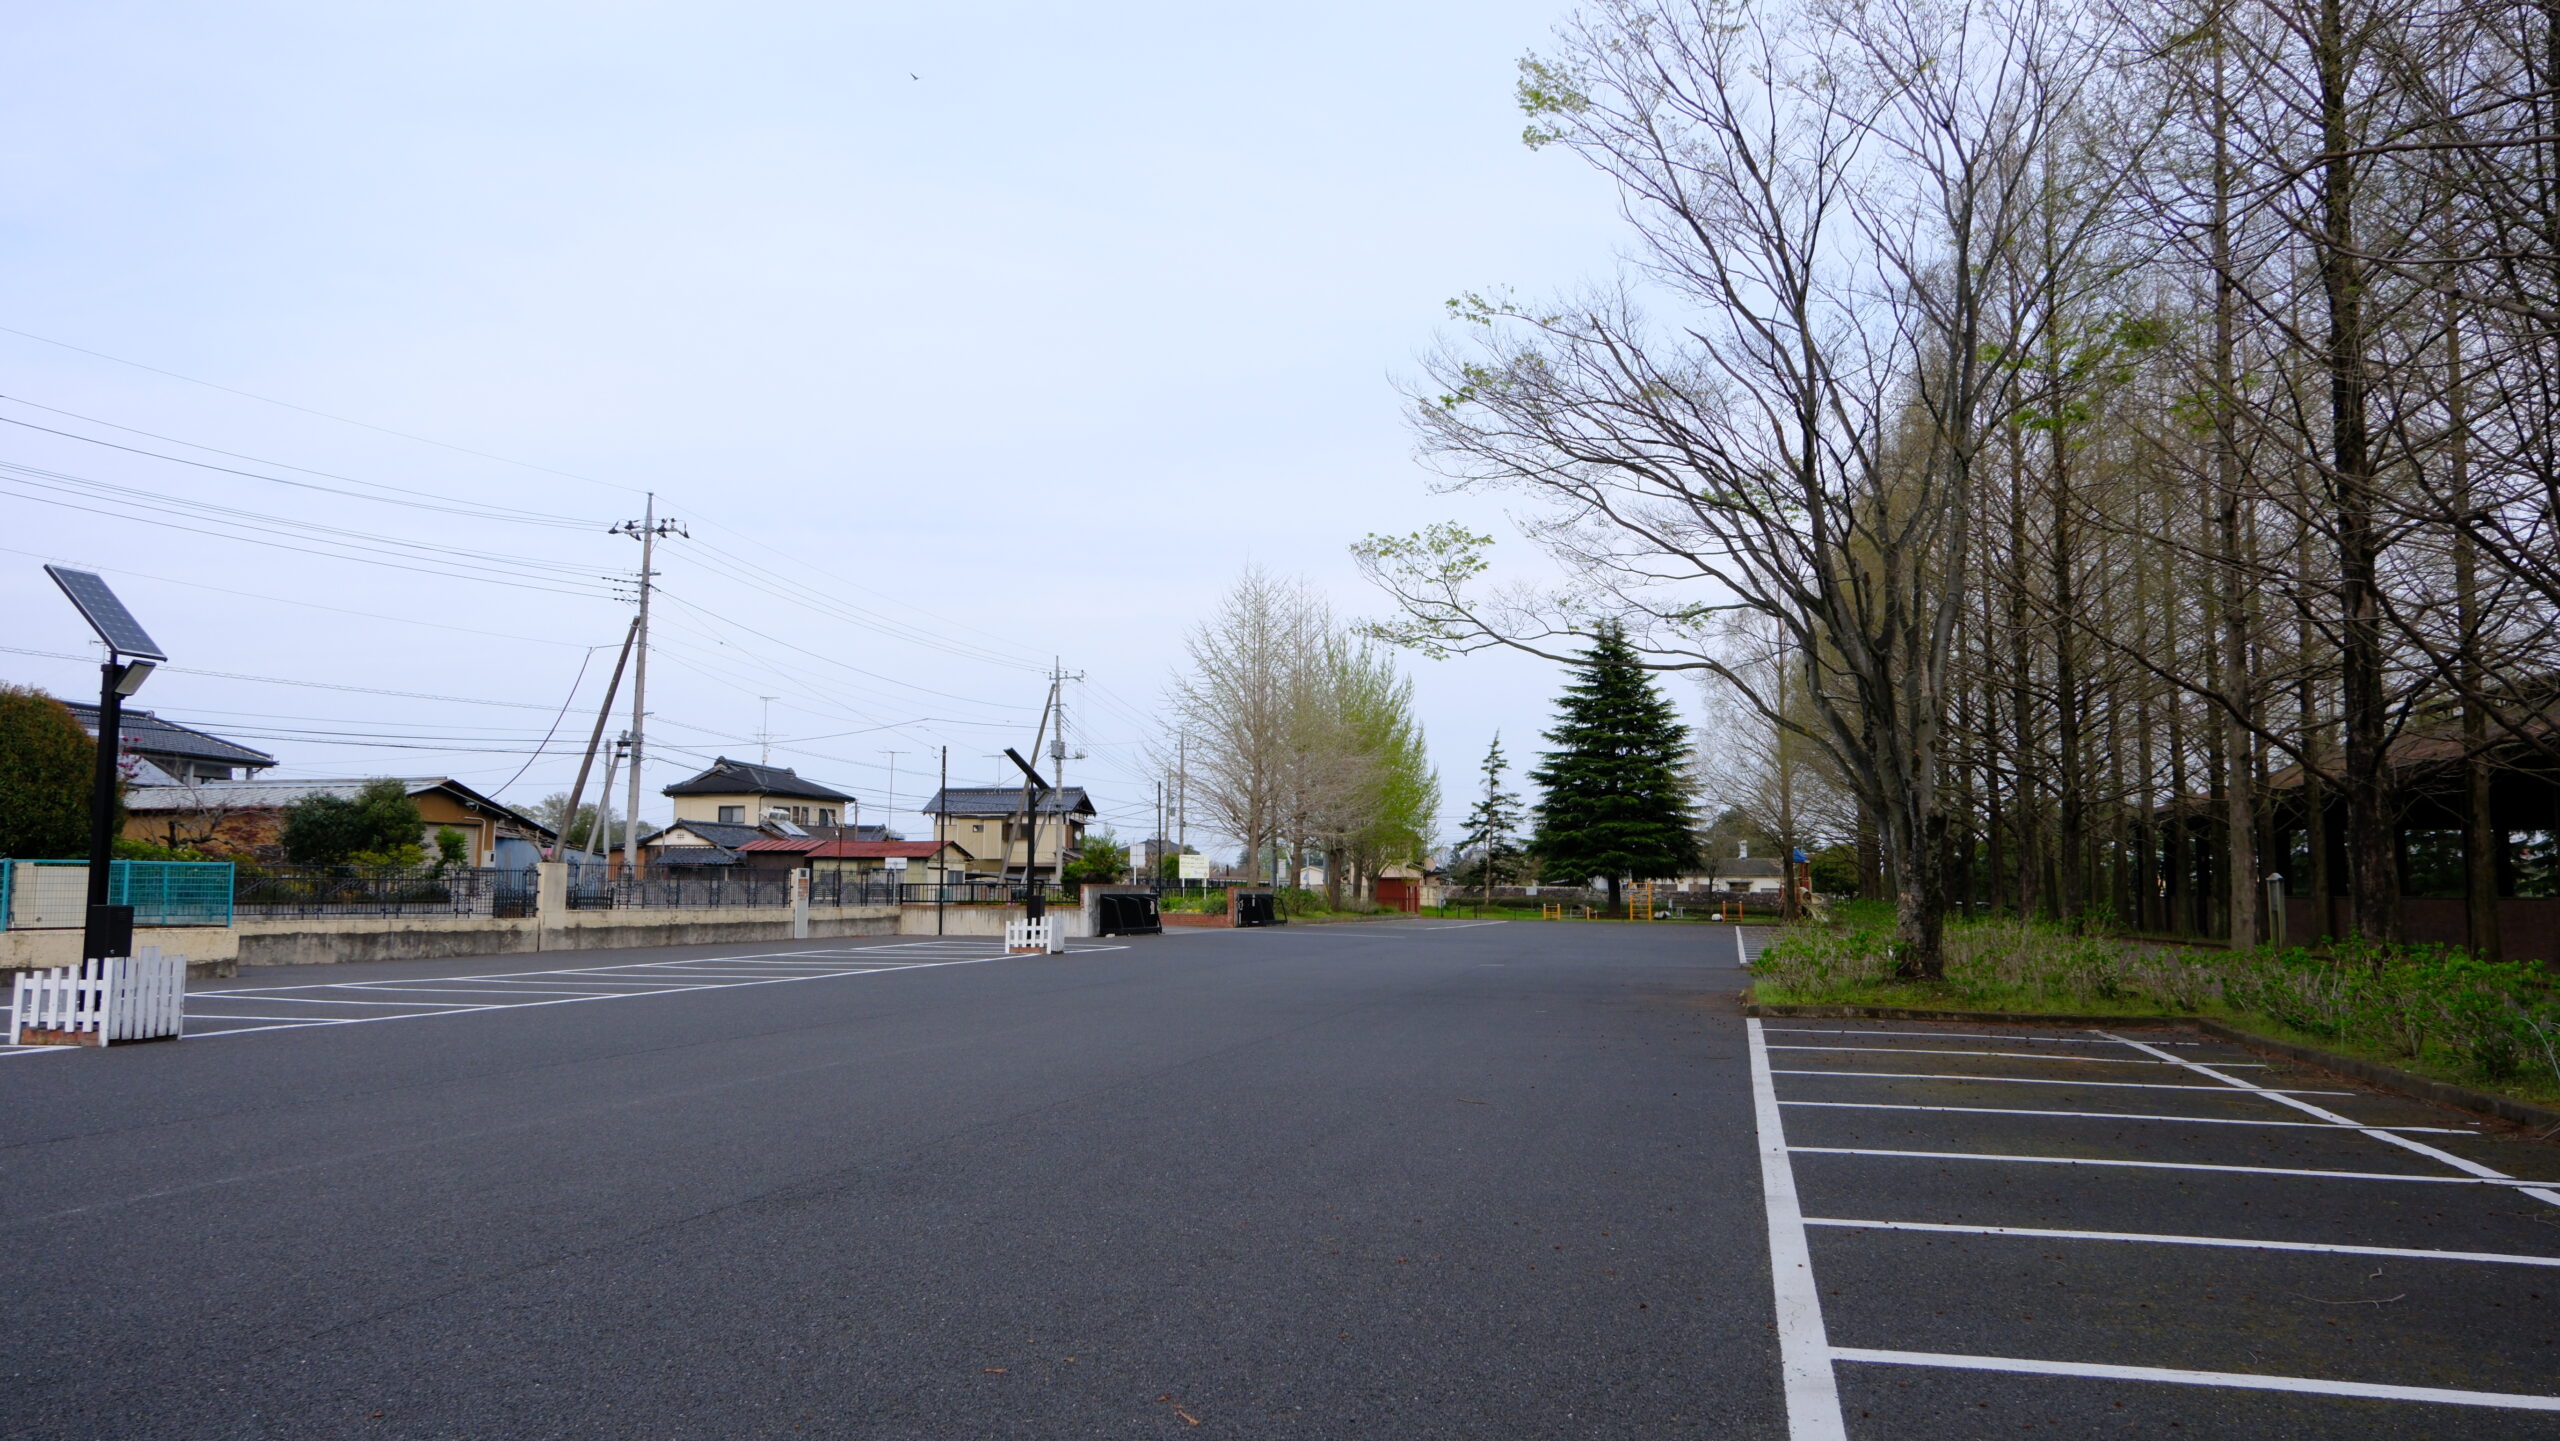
(1491, 825)
(1617, 793)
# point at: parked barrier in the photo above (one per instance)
(140, 997)
(1037, 936)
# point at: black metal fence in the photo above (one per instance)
(365, 891)
(709, 888)
(289, 892)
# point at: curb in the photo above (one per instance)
(2390, 1078)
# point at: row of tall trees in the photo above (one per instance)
(1301, 738)
(2079, 426)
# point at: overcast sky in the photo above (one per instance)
(959, 338)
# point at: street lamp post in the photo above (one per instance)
(131, 657)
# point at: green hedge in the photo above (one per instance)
(2438, 1008)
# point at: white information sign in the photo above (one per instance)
(895, 863)
(1192, 867)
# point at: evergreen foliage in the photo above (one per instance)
(46, 763)
(1101, 858)
(381, 825)
(1617, 794)
(1492, 826)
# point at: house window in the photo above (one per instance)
(799, 815)
(2431, 863)
(826, 816)
(733, 815)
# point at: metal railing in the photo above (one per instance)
(725, 887)
(367, 891)
(54, 895)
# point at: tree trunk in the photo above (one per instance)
(2372, 866)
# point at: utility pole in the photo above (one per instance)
(600, 835)
(891, 809)
(764, 733)
(646, 530)
(941, 868)
(578, 792)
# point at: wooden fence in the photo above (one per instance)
(98, 1002)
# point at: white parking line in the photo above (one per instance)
(2459, 1163)
(2040, 1081)
(1953, 1036)
(1804, 1350)
(2011, 1055)
(326, 1001)
(2408, 1253)
(2125, 1116)
(500, 988)
(2240, 1380)
(2493, 1180)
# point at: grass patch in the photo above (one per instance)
(2429, 1009)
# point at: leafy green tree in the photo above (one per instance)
(1834, 870)
(1617, 789)
(380, 825)
(1101, 858)
(1491, 828)
(46, 763)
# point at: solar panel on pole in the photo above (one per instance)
(106, 615)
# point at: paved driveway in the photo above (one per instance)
(1414, 1178)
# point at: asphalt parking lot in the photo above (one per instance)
(2088, 1232)
(1433, 1178)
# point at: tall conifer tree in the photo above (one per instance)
(1490, 826)
(1617, 796)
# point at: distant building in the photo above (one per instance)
(246, 817)
(984, 823)
(172, 754)
(742, 793)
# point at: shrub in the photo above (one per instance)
(46, 770)
(380, 821)
(2495, 1021)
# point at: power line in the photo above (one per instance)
(281, 600)
(280, 680)
(322, 414)
(446, 572)
(475, 512)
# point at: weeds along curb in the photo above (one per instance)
(2389, 1078)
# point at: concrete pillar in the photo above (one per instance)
(550, 901)
(800, 904)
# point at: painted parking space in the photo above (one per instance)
(230, 1008)
(1981, 1229)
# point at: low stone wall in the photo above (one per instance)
(1222, 920)
(328, 940)
(325, 940)
(210, 950)
(920, 920)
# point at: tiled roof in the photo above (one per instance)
(731, 778)
(146, 732)
(718, 833)
(260, 795)
(874, 850)
(1004, 801)
(787, 845)
(694, 856)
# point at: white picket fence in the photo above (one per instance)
(98, 1002)
(1039, 935)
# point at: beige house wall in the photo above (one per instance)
(751, 807)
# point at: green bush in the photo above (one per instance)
(380, 823)
(47, 767)
(2438, 1007)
